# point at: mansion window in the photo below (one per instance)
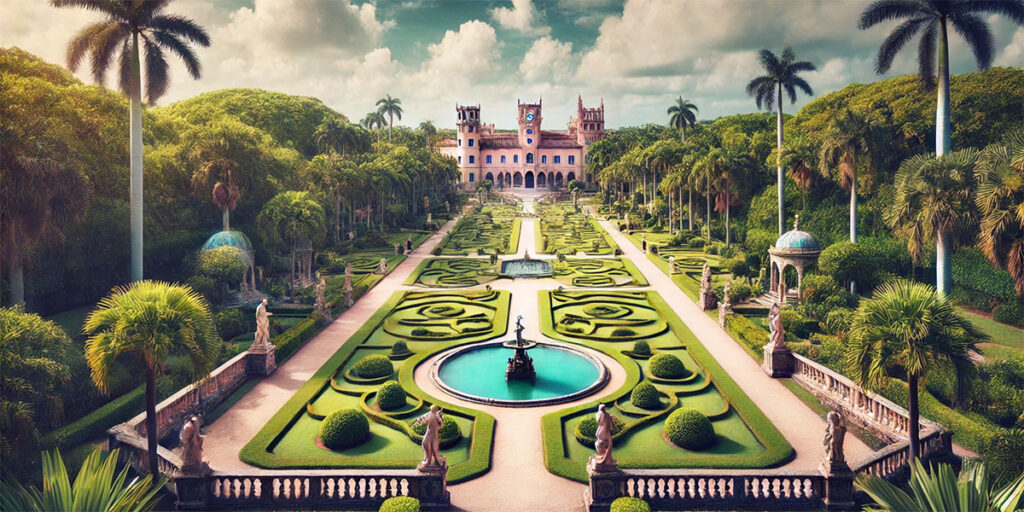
(471, 129)
(460, 159)
(472, 159)
(558, 159)
(515, 159)
(529, 131)
(470, 142)
(543, 159)
(529, 158)
(529, 141)
(502, 158)
(488, 158)
(572, 159)
(460, 142)
(472, 176)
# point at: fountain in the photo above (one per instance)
(526, 267)
(520, 366)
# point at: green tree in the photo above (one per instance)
(907, 326)
(32, 355)
(800, 156)
(847, 145)
(390, 107)
(933, 201)
(98, 487)
(931, 19)
(940, 490)
(334, 134)
(151, 320)
(1000, 200)
(225, 265)
(290, 217)
(337, 177)
(212, 157)
(374, 121)
(429, 132)
(129, 27)
(781, 73)
(682, 115)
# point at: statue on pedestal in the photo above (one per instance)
(382, 266)
(602, 461)
(672, 270)
(430, 219)
(408, 244)
(398, 247)
(320, 304)
(347, 287)
(627, 220)
(432, 461)
(778, 335)
(725, 307)
(262, 325)
(447, 207)
(778, 359)
(835, 433)
(643, 242)
(708, 300)
(191, 446)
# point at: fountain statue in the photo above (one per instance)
(520, 365)
(433, 461)
(778, 360)
(320, 303)
(602, 461)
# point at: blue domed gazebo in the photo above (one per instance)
(797, 249)
(239, 241)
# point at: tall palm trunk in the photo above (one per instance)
(291, 281)
(727, 213)
(778, 159)
(943, 145)
(135, 144)
(226, 219)
(943, 270)
(337, 217)
(853, 205)
(915, 414)
(690, 206)
(708, 198)
(17, 270)
(151, 432)
(391, 121)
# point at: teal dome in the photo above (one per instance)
(230, 239)
(797, 240)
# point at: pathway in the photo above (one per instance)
(236, 427)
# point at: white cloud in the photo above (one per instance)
(1013, 53)
(521, 16)
(549, 60)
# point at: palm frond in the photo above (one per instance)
(181, 26)
(926, 57)
(182, 50)
(156, 71)
(895, 42)
(101, 50)
(1013, 9)
(976, 32)
(889, 10)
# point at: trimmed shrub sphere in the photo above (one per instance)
(645, 396)
(400, 504)
(399, 348)
(373, 366)
(667, 366)
(390, 396)
(344, 428)
(627, 504)
(690, 429)
(641, 347)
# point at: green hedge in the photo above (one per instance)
(344, 428)
(645, 396)
(373, 366)
(667, 366)
(290, 341)
(94, 424)
(690, 429)
(984, 284)
(752, 337)
(391, 396)
(628, 504)
(400, 504)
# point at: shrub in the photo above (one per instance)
(641, 347)
(653, 249)
(449, 434)
(740, 291)
(690, 429)
(230, 323)
(586, 429)
(373, 366)
(399, 348)
(617, 251)
(738, 267)
(628, 504)
(847, 261)
(344, 428)
(797, 324)
(1011, 313)
(667, 366)
(681, 238)
(225, 265)
(400, 504)
(289, 342)
(1002, 454)
(390, 396)
(697, 242)
(758, 241)
(206, 287)
(645, 396)
(838, 320)
(973, 274)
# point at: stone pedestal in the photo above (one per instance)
(520, 367)
(838, 487)
(192, 490)
(260, 360)
(603, 488)
(433, 492)
(778, 360)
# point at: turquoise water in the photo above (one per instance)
(481, 373)
(526, 268)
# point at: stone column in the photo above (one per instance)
(260, 360)
(603, 489)
(192, 491)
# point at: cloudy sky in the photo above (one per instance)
(636, 54)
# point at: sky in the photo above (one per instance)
(638, 55)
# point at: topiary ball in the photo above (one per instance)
(642, 348)
(627, 504)
(399, 348)
(373, 366)
(400, 504)
(667, 366)
(645, 396)
(344, 428)
(690, 429)
(391, 396)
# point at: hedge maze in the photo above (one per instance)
(614, 322)
(425, 323)
(489, 229)
(453, 273)
(566, 231)
(598, 272)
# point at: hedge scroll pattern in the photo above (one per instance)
(566, 231)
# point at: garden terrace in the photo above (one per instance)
(598, 272)
(453, 273)
(567, 231)
(427, 322)
(690, 261)
(613, 322)
(490, 229)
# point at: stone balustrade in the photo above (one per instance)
(135, 451)
(890, 459)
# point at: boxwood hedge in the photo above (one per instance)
(690, 429)
(667, 366)
(645, 396)
(373, 366)
(344, 428)
(390, 396)
(400, 504)
(628, 504)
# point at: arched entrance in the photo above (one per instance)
(571, 176)
(529, 179)
(551, 179)
(517, 180)
(542, 180)
(508, 180)
(489, 176)
(558, 180)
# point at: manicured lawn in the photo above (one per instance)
(493, 228)
(598, 272)
(453, 272)
(72, 320)
(428, 322)
(689, 262)
(612, 322)
(1000, 334)
(566, 231)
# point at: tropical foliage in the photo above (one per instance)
(940, 489)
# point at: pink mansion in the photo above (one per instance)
(530, 158)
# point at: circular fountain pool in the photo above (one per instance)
(477, 373)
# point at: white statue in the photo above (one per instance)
(432, 458)
(603, 460)
(430, 218)
(321, 288)
(262, 324)
(835, 432)
(708, 300)
(192, 445)
(672, 265)
(778, 335)
(382, 266)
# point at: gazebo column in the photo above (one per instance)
(782, 284)
(773, 267)
(800, 283)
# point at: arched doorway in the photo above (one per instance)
(508, 180)
(542, 180)
(529, 179)
(558, 180)
(551, 179)
(489, 176)
(571, 176)
(517, 180)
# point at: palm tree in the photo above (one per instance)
(152, 320)
(212, 156)
(682, 115)
(847, 145)
(907, 326)
(374, 121)
(391, 107)
(933, 201)
(126, 22)
(333, 174)
(800, 156)
(780, 73)
(940, 490)
(290, 217)
(1000, 200)
(96, 488)
(43, 193)
(429, 131)
(931, 18)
